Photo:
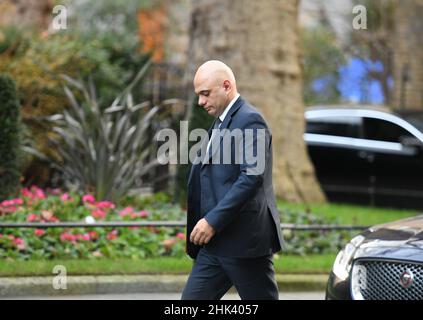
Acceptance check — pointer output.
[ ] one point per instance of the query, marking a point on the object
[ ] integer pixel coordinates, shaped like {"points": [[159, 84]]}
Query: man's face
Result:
{"points": [[212, 95]]}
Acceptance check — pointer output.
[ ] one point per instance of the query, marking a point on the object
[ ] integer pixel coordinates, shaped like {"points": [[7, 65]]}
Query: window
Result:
{"points": [[382, 130], [335, 126]]}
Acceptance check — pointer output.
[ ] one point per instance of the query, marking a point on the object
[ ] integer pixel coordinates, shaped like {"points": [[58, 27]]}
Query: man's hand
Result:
{"points": [[202, 233]]}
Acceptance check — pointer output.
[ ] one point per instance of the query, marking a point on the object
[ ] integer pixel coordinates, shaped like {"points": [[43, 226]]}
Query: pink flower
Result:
{"points": [[93, 235], [143, 214], [129, 211], [33, 193], [26, 193], [39, 232], [112, 235], [88, 198], [31, 217], [17, 201], [126, 211], [11, 237], [63, 237], [1, 235], [181, 236], [5, 203], [12, 202], [98, 214], [84, 237], [105, 205], [8, 209], [67, 237], [38, 192], [65, 197], [19, 243]]}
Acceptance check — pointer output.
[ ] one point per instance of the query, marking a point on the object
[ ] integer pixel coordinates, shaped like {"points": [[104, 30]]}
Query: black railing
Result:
{"points": [[170, 224]]}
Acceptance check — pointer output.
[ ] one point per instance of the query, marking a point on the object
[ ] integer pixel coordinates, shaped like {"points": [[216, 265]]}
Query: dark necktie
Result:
{"points": [[216, 125]]}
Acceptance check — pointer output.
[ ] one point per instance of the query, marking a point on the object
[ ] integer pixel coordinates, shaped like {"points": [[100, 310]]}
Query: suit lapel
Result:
{"points": [[199, 152], [225, 124]]}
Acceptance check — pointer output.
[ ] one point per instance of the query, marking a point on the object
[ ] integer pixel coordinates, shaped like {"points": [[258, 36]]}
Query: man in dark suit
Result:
{"points": [[233, 226]]}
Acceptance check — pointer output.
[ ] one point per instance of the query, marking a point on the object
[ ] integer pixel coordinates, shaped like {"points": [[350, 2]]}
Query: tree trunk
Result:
{"points": [[27, 13], [259, 41], [408, 55]]}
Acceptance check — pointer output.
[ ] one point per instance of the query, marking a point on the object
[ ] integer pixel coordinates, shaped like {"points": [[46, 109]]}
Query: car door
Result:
{"points": [[398, 164], [343, 172]]}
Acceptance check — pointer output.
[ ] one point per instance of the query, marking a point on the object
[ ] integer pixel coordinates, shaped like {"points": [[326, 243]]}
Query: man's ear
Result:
{"points": [[226, 84]]}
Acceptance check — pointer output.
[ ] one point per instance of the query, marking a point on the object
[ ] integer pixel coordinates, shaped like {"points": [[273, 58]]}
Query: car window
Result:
{"points": [[415, 118], [335, 126], [382, 130]]}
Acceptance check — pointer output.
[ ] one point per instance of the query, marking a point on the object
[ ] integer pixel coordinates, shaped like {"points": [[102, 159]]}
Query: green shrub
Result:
{"points": [[37, 205], [35, 63], [9, 137], [104, 150], [312, 242]]}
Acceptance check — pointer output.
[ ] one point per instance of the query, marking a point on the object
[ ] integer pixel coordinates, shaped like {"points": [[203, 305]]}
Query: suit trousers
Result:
{"points": [[212, 276]]}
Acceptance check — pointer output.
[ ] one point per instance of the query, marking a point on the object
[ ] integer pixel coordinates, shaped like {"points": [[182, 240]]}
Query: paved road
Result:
{"points": [[173, 296]]}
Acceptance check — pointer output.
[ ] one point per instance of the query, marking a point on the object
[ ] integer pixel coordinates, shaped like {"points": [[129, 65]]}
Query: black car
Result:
{"points": [[384, 262], [367, 155]]}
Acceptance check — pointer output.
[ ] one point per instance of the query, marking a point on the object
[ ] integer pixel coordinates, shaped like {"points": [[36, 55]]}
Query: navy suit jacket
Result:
{"points": [[240, 206]]}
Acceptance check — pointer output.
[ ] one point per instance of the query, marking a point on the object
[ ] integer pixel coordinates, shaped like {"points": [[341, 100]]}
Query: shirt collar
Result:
{"points": [[225, 112]]}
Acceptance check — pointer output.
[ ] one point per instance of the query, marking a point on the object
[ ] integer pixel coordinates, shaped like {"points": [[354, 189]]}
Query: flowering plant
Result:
{"points": [[54, 205]]}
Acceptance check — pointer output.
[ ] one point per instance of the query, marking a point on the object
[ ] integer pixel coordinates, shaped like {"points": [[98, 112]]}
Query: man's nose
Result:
{"points": [[201, 101]]}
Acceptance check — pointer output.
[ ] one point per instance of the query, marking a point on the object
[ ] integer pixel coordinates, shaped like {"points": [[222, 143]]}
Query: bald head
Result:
{"points": [[215, 84], [217, 71]]}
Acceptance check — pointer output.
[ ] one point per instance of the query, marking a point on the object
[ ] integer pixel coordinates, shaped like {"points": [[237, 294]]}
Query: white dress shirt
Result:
{"points": [[222, 117]]}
